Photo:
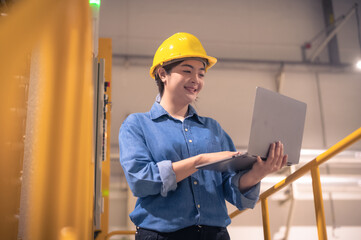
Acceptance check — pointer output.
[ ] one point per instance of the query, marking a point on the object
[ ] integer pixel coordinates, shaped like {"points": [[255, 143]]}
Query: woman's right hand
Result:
{"points": [[187, 167], [213, 157]]}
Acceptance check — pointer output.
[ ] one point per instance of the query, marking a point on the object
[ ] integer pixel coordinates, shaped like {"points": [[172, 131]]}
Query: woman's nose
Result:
{"points": [[195, 78]]}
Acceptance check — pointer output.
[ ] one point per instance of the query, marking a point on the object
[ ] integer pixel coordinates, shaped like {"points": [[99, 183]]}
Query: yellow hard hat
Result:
{"points": [[178, 46]]}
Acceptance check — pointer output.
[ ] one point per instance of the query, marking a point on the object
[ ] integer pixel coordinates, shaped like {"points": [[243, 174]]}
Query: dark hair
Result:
{"points": [[168, 68]]}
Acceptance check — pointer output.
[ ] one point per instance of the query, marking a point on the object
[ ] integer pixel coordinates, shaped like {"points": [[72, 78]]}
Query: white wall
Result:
{"points": [[228, 97]]}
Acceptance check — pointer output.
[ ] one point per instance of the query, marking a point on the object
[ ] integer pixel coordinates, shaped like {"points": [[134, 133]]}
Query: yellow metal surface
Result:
{"points": [[335, 149], [105, 52], [265, 219], [318, 200], [61, 195], [339, 147], [13, 108], [109, 235], [67, 233], [14, 81]]}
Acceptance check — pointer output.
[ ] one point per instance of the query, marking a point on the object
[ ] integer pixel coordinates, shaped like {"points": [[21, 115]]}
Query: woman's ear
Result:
{"points": [[162, 74]]}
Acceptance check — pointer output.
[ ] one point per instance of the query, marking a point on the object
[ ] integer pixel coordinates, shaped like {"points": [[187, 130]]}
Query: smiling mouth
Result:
{"points": [[190, 89]]}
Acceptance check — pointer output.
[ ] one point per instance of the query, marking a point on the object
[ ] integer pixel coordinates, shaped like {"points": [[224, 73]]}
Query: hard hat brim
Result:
{"points": [[211, 61]]}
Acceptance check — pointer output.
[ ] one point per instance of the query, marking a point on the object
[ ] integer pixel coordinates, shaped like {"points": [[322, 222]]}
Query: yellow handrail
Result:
{"points": [[317, 191], [265, 218], [318, 200]]}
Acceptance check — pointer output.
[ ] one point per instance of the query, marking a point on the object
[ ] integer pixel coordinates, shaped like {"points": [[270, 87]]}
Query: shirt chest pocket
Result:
{"points": [[209, 143], [167, 145]]}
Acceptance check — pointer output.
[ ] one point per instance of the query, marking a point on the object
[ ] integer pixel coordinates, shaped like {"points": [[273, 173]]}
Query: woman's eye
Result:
{"points": [[186, 71], [201, 75]]}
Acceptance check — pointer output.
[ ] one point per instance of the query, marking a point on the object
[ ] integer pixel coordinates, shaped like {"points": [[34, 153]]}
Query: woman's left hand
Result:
{"points": [[275, 161]]}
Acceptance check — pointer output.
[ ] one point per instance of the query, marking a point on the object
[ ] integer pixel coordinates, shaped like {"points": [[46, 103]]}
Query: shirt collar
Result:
{"points": [[158, 111], [193, 113]]}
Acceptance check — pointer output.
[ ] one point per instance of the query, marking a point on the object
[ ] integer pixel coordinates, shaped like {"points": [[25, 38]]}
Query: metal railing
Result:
{"points": [[312, 167]]}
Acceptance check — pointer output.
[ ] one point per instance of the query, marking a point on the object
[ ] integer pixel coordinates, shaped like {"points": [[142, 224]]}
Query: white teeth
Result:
{"points": [[191, 89]]}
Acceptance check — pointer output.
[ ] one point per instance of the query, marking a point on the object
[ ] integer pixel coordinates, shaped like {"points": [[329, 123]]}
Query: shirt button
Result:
{"points": [[195, 182], [199, 206], [190, 141], [186, 129]]}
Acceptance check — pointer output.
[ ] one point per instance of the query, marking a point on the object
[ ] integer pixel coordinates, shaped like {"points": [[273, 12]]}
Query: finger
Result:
{"points": [[259, 160], [276, 153], [280, 159], [233, 154], [277, 164], [285, 159], [271, 153]]}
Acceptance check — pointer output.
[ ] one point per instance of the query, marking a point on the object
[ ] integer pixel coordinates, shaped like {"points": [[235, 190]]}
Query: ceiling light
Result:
{"points": [[358, 64]]}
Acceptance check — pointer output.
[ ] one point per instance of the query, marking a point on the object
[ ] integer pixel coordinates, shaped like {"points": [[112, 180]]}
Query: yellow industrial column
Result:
{"points": [[62, 184], [13, 108], [61, 175], [14, 85]]}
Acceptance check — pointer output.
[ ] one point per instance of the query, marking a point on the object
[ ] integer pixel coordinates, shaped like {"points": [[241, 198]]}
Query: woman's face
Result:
{"points": [[184, 82]]}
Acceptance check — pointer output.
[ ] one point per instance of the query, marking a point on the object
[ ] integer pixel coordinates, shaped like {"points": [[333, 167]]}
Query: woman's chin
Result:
{"points": [[192, 97]]}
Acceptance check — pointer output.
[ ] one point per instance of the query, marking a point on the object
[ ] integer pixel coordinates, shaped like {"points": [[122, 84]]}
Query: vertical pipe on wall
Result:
{"points": [[280, 77], [322, 117]]}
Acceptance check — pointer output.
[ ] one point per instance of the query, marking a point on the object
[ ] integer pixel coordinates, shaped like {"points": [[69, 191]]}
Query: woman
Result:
{"points": [[160, 149]]}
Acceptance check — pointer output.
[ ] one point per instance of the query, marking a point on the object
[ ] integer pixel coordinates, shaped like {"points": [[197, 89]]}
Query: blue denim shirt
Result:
{"points": [[149, 143]]}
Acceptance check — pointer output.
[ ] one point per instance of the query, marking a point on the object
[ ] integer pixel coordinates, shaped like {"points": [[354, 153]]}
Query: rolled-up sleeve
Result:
{"points": [[241, 200], [144, 175], [246, 199], [167, 176]]}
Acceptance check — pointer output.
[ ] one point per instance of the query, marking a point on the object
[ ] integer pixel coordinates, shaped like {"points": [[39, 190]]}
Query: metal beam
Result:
{"points": [[333, 53], [146, 60], [332, 34]]}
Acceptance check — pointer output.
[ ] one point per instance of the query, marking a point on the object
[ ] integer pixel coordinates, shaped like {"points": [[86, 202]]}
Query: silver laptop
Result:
{"points": [[275, 118]]}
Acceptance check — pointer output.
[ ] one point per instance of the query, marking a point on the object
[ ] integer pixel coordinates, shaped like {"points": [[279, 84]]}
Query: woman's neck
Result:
{"points": [[178, 111]]}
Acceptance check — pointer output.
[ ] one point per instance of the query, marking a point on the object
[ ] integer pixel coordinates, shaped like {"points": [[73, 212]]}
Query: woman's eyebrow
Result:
{"points": [[188, 65]]}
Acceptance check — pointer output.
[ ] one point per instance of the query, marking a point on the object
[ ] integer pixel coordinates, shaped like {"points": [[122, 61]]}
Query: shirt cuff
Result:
{"points": [[167, 175], [251, 196]]}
